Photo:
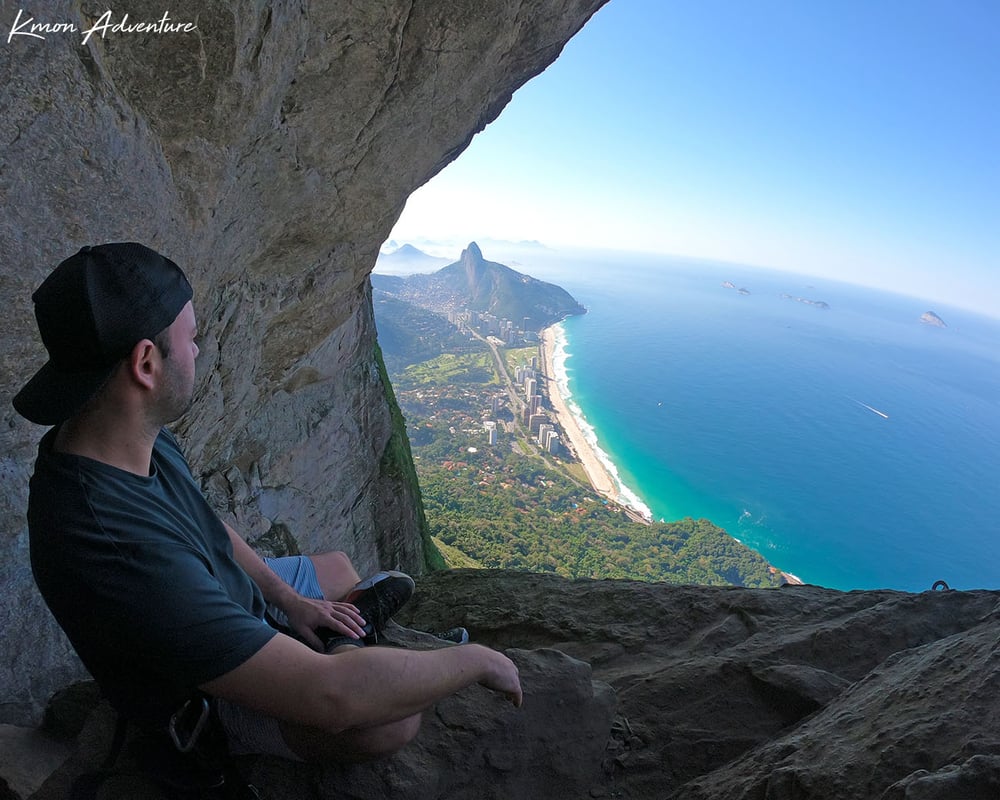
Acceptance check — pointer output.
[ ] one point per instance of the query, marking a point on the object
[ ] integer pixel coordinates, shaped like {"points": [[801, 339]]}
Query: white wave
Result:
{"points": [[560, 355]]}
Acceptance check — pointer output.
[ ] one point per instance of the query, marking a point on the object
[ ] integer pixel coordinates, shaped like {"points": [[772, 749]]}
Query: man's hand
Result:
{"points": [[305, 615], [503, 677], [506, 679]]}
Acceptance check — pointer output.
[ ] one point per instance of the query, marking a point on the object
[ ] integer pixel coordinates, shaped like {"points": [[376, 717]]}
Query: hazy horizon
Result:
{"points": [[852, 142], [553, 264]]}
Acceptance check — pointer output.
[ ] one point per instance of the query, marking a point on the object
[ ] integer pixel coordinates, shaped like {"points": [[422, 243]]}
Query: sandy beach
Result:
{"points": [[599, 477]]}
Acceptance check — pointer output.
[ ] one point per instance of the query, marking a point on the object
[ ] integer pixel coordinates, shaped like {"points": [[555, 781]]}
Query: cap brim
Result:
{"points": [[51, 396]]}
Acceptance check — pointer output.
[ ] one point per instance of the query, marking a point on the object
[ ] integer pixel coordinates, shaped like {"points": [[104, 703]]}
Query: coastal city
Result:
{"points": [[526, 395]]}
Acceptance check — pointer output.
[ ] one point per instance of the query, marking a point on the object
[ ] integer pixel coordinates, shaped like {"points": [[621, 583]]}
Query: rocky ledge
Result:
{"points": [[637, 690]]}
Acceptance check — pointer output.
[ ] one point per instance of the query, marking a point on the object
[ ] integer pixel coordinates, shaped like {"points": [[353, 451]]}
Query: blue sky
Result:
{"points": [[848, 139]]}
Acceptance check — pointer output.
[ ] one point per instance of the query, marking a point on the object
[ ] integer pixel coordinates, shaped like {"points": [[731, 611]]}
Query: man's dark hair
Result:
{"points": [[162, 342]]}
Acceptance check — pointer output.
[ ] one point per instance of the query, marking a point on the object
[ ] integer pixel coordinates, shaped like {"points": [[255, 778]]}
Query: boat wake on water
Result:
{"points": [[873, 410]]}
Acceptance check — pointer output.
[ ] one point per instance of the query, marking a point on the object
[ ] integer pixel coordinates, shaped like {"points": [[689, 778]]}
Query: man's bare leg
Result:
{"points": [[335, 573], [357, 744]]}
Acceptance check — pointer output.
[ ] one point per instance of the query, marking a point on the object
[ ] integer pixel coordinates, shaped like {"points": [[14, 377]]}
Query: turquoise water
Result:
{"points": [[761, 413]]}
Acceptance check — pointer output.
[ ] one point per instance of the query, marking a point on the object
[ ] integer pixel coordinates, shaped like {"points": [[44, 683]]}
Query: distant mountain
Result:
{"points": [[483, 286], [408, 259]]}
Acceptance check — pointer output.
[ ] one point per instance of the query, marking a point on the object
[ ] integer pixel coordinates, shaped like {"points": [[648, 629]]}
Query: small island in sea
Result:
{"points": [[930, 318], [807, 301]]}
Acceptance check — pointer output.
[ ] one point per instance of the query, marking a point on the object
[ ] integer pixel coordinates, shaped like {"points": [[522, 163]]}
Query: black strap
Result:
{"points": [[87, 785], [205, 771]]}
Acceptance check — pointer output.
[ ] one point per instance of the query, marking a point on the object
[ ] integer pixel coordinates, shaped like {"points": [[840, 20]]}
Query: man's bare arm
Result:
{"points": [[360, 687], [304, 614]]}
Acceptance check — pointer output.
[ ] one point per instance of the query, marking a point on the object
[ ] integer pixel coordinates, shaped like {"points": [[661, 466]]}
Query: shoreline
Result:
{"points": [[601, 479]]}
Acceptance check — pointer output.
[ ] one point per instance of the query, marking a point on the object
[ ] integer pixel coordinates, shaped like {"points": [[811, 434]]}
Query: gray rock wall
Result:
{"points": [[269, 153], [771, 694]]}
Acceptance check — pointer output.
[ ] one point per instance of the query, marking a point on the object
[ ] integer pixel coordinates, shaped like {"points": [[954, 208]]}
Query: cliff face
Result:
{"points": [[268, 152], [776, 694]]}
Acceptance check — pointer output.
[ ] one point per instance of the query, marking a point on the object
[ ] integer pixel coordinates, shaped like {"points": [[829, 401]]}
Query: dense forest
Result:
{"points": [[508, 510]]}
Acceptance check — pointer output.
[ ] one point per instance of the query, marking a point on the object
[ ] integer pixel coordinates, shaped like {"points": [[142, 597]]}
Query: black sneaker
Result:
{"points": [[332, 641], [457, 635], [379, 597]]}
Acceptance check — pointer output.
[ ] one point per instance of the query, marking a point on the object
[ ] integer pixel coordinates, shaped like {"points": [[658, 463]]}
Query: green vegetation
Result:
{"points": [[397, 462], [518, 356], [448, 369], [507, 510], [409, 334], [455, 558]]}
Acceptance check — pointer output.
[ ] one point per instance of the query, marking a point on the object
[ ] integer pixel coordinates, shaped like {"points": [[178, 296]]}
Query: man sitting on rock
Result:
{"points": [[161, 599]]}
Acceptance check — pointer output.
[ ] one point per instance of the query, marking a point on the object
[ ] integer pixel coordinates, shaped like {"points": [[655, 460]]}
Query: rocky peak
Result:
{"points": [[472, 256], [475, 268]]}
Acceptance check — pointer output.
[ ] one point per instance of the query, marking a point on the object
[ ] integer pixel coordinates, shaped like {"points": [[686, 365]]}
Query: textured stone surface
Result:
{"points": [[476, 745], [770, 694], [268, 153], [797, 692]]}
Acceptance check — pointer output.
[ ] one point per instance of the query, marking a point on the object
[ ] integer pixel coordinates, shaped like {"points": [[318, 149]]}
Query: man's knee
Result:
{"points": [[333, 559], [387, 739], [335, 573], [357, 744]]}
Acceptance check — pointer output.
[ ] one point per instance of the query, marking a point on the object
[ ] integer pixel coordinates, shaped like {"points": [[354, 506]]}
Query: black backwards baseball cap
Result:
{"points": [[91, 311]]}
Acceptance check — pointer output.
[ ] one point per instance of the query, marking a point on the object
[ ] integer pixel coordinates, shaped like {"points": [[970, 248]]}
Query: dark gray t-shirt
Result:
{"points": [[139, 573]]}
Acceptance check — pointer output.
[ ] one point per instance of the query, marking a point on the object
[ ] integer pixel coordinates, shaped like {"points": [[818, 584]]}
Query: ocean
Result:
{"points": [[853, 446]]}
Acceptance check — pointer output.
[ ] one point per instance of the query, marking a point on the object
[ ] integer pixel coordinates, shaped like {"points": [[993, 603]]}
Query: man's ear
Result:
{"points": [[144, 363]]}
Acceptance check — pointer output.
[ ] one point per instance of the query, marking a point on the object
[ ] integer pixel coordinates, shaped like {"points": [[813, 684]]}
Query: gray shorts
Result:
{"points": [[248, 731], [299, 573]]}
